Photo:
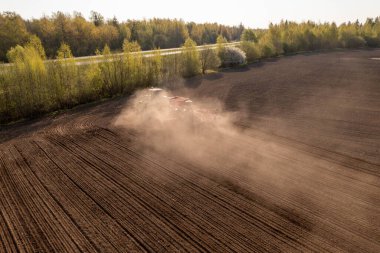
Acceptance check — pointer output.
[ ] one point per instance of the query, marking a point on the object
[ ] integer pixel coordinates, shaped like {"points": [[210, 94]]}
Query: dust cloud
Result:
{"points": [[212, 141], [198, 131], [205, 135]]}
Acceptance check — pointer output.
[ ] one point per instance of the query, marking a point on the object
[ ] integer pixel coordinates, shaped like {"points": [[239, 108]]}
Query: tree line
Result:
{"points": [[31, 86], [291, 37], [86, 36]]}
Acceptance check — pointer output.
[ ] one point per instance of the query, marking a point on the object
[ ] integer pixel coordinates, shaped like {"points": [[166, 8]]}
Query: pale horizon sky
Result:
{"points": [[255, 14]]}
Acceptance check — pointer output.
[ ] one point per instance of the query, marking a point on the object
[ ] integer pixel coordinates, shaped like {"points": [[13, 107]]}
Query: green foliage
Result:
{"points": [[290, 37], [84, 36], [370, 31], [106, 50], [64, 52], [190, 57], [90, 83], [249, 35], [111, 73], [266, 47], [24, 84], [171, 69], [15, 53], [272, 39], [220, 48], [35, 42], [328, 35], [154, 70], [129, 47], [251, 50], [349, 37], [13, 31], [97, 18], [65, 73], [122, 74], [124, 32], [31, 86], [209, 60]]}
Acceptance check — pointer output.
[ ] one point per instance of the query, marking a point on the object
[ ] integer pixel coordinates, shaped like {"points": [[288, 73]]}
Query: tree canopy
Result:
{"points": [[86, 36]]}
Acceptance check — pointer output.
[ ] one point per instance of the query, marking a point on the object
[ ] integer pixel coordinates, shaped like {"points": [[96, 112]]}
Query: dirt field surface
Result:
{"points": [[297, 169]]}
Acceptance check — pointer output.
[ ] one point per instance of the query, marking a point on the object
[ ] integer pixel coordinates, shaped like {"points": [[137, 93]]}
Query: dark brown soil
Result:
{"points": [[76, 183]]}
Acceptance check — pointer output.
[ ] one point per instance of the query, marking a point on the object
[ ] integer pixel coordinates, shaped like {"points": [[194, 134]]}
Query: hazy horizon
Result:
{"points": [[255, 14]]}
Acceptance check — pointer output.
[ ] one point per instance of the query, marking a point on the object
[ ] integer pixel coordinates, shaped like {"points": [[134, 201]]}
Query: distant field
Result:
{"points": [[300, 171]]}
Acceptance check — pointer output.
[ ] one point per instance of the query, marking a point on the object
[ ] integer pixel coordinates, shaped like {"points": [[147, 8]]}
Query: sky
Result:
{"points": [[254, 13]]}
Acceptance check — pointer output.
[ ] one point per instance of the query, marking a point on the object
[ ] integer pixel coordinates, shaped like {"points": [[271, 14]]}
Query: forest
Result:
{"points": [[291, 37], [31, 86], [86, 36]]}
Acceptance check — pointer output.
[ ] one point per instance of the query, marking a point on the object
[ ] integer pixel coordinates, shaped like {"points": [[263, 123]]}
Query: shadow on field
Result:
{"points": [[237, 69], [18, 129], [104, 110], [193, 82], [290, 214], [213, 76]]}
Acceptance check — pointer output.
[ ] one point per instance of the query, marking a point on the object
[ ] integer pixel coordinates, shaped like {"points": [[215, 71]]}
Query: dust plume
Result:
{"points": [[211, 140], [194, 130]]}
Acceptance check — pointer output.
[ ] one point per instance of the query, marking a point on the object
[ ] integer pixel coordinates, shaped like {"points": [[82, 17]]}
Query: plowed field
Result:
{"points": [[301, 172]]}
